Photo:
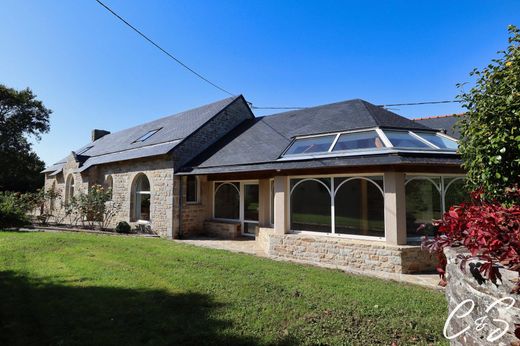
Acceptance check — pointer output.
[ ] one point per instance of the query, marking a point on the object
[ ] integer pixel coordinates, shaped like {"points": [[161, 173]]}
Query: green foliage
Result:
{"points": [[94, 207], [123, 227], [13, 210], [21, 116], [490, 132]]}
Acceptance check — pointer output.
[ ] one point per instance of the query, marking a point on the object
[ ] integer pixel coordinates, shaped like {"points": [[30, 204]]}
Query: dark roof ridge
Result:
{"points": [[440, 116]]}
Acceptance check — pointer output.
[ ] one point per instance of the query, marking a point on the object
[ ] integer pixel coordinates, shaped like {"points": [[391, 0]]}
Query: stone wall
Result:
{"points": [[159, 172], [222, 229], [193, 213], [468, 284], [349, 253]]}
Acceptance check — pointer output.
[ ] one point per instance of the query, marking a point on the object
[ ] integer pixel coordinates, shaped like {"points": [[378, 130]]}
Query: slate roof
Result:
{"points": [[446, 123], [121, 145], [262, 140]]}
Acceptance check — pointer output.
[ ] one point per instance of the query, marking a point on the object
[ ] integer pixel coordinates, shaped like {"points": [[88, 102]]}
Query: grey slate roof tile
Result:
{"points": [[446, 123], [114, 146]]}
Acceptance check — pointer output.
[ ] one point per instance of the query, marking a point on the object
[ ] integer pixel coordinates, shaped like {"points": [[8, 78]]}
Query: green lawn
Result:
{"points": [[68, 288]]}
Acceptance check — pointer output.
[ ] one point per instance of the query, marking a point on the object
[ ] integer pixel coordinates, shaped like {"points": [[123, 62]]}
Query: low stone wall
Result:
{"points": [[222, 229], [468, 284], [354, 254]]}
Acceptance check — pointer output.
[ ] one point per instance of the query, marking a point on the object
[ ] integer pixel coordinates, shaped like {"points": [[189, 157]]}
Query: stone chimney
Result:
{"points": [[97, 134]]}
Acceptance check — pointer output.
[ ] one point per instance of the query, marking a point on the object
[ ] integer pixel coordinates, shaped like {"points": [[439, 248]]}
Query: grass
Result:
{"points": [[68, 288]]}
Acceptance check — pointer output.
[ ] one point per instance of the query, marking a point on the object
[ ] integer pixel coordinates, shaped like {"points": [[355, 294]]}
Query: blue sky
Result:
{"points": [[93, 72]]}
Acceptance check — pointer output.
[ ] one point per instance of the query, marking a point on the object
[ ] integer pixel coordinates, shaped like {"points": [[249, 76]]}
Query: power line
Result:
{"points": [[163, 50], [419, 103], [383, 106]]}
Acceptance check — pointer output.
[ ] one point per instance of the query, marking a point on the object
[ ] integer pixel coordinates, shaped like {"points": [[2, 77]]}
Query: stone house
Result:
{"points": [[346, 184]]}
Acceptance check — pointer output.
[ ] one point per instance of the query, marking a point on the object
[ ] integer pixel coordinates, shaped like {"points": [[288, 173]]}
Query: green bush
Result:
{"points": [[123, 227], [490, 131], [13, 210]]}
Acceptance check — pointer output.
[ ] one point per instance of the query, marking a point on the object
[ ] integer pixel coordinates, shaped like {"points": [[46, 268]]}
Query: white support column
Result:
{"points": [[395, 208], [281, 202]]}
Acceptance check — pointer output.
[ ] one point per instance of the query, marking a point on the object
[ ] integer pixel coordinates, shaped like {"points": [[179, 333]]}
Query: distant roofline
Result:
{"points": [[440, 116]]}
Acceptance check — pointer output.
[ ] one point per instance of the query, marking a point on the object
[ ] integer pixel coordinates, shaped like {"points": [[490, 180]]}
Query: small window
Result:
{"points": [[311, 145], [142, 198], [438, 140], [400, 139], [69, 188], [146, 135], [109, 185], [192, 189], [358, 140]]}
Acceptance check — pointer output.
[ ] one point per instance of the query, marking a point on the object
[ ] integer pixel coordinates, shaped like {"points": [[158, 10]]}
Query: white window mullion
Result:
{"points": [[384, 138], [334, 142], [423, 140], [332, 209]]}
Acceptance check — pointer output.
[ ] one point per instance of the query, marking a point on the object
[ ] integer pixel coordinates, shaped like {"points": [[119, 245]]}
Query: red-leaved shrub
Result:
{"points": [[488, 229]]}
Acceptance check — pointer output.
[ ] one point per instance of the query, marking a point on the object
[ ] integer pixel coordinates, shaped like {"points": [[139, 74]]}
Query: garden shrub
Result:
{"points": [[488, 229], [490, 130], [13, 210], [123, 227]]}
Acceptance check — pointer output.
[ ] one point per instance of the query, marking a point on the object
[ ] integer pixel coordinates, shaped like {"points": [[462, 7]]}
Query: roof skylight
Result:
{"points": [[311, 145], [369, 141], [146, 135]]}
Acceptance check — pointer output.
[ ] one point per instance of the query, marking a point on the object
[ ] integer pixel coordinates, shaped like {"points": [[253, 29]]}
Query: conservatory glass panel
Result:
{"points": [[423, 205], [310, 207], [401, 139], [440, 141], [311, 145], [359, 207], [358, 140]]}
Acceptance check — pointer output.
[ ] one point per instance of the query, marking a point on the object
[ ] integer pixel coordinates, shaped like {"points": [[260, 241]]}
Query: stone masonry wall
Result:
{"points": [[351, 253], [193, 213], [468, 284], [159, 172]]}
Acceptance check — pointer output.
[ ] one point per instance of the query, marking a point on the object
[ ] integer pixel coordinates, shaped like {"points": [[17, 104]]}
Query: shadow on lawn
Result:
{"points": [[33, 312]]}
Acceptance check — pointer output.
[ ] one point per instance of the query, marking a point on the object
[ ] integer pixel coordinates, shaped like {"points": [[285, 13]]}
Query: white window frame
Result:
{"points": [[241, 193], [135, 192], [70, 184], [442, 188], [350, 177]]}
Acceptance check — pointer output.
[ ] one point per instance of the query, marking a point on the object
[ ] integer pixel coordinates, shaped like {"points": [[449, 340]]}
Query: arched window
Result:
{"points": [[455, 192], [359, 206], [423, 204], [142, 197], [227, 201], [69, 188], [311, 205], [109, 185]]}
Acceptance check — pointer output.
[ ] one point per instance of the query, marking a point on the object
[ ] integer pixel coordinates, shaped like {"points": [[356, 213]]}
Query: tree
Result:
{"points": [[21, 116], [490, 132]]}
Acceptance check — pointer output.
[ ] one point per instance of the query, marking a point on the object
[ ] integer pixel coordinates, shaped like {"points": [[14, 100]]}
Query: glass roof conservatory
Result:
{"points": [[371, 141]]}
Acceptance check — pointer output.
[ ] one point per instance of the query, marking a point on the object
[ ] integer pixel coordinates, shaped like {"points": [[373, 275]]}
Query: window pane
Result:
{"points": [[227, 201], [310, 207], [311, 145], [147, 135], [191, 189], [456, 192], [440, 141], [359, 207], [251, 202], [423, 204], [404, 140], [143, 185], [358, 140], [145, 207]]}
